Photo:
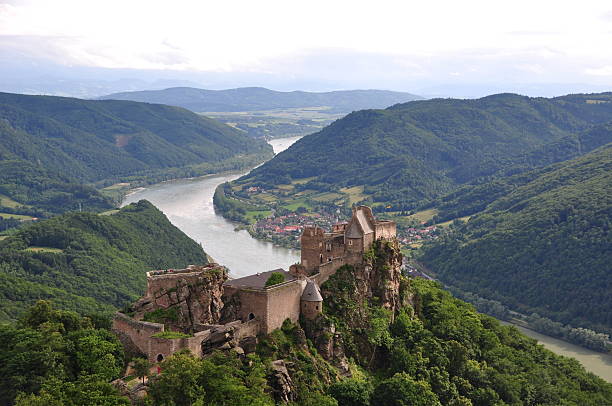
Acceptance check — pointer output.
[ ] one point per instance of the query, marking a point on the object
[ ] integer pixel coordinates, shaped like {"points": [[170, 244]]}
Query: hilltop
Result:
{"points": [[259, 98], [87, 262], [538, 242], [51, 146], [410, 154]]}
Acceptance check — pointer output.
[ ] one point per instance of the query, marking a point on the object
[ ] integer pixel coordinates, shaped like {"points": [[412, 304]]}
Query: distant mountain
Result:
{"points": [[73, 141], [90, 263], [258, 98], [412, 153], [541, 242]]}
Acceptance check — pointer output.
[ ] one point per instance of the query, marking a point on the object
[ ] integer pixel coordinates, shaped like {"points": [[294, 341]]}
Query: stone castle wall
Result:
{"points": [[135, 333], [328, 269], [386, 230], [283, 303]]}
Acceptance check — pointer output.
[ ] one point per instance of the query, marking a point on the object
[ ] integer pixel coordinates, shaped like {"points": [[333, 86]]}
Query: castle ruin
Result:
{"points": [[213, 311]]}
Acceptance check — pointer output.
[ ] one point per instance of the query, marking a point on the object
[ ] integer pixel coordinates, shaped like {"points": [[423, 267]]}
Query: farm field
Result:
{"points": [[277, 123]]}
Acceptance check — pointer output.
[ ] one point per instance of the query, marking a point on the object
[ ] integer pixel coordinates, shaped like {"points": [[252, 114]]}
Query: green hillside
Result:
{"points": [[541, 244], [95, 140], [87, 262], [51, 146], [412, 153], [259, 98], [433, 350]]}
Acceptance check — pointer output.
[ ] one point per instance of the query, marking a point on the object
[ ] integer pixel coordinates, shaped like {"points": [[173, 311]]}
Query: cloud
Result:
{"points": [[601, 71], [607, 16]]}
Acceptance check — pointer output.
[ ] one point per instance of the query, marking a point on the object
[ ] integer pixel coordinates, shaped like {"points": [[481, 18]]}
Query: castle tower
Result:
{"points": [[311, 303], [312, 248]]}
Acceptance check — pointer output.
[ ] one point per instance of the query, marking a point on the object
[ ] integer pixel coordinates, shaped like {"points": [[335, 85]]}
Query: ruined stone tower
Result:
{"points": [[311, 303]]}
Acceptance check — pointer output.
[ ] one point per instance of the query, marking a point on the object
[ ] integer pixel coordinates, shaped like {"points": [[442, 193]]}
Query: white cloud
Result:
{"points": [[601, 71], [475, 39]]}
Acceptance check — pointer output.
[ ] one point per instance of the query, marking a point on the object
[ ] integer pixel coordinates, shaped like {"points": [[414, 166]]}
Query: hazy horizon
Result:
{"points": [[89, 49]]}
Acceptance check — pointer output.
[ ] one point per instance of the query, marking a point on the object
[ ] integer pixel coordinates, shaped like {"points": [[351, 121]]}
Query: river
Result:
{"points": [[188, 205]]}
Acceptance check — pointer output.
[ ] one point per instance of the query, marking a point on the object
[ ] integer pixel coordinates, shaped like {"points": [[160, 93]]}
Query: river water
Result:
{"points": [[188, 204]]}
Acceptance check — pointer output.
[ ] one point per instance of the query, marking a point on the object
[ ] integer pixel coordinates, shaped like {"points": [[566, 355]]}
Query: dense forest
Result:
{"points": [[88, 262], [259, 98], [540, 244], [51, 146], [433, 350], [410, 154]]}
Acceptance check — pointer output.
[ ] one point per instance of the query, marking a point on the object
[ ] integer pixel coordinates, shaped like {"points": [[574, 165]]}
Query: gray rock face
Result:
{"points": [[282, 385]]}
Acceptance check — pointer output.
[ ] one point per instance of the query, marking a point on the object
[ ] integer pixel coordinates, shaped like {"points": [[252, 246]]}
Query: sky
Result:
{"points": [[318, 45]]}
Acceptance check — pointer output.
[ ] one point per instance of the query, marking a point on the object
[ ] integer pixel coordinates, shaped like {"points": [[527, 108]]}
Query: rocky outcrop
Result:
{"points": [[327, 340], [381, 274], [355, 294], [281, 383], [184, 299]]}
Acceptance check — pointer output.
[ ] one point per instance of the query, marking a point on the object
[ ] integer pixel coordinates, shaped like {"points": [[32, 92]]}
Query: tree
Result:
{"points": [[141, 368], [402, 390], [351, 392], [275, 278]]}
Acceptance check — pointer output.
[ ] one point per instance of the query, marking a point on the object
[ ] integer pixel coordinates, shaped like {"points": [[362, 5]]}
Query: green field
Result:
{"points": [[279, 122], [8, 202], [44, 249], [15, 216]]}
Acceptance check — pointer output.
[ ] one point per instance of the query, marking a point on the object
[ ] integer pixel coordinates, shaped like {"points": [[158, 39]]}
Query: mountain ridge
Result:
{"points": [[260, 98]]}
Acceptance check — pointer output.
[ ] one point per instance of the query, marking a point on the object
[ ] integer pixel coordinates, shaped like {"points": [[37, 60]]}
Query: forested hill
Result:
{"points": [[542, 243], [93, 140], [417, 151], [259, 98], [51, 146], [88, 262]]}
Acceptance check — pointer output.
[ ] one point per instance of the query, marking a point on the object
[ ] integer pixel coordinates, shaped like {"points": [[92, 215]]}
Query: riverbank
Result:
{"points": [[188, 205], [596, 362], [118, 191]]}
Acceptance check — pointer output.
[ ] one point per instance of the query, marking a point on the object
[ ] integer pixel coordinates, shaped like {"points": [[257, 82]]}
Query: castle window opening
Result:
{"points": [[321, 258], [160, 357], [350, 242], [328, 247], [251, 316]]}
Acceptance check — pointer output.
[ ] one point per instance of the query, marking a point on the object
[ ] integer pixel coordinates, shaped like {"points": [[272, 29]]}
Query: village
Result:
{"points": [[285, 229]]}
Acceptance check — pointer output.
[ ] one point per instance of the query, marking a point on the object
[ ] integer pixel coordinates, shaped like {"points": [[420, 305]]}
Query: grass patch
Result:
{"points": [[448, 223], [302, 181], [109, 212], [299, 203], [424, 215], [327, 197], [8, 202], [250, 215], [266, 197], [117, 186], [355, 193], [44, 249], [169, 335], [286, 187], [15, 216], [3, 237]]}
